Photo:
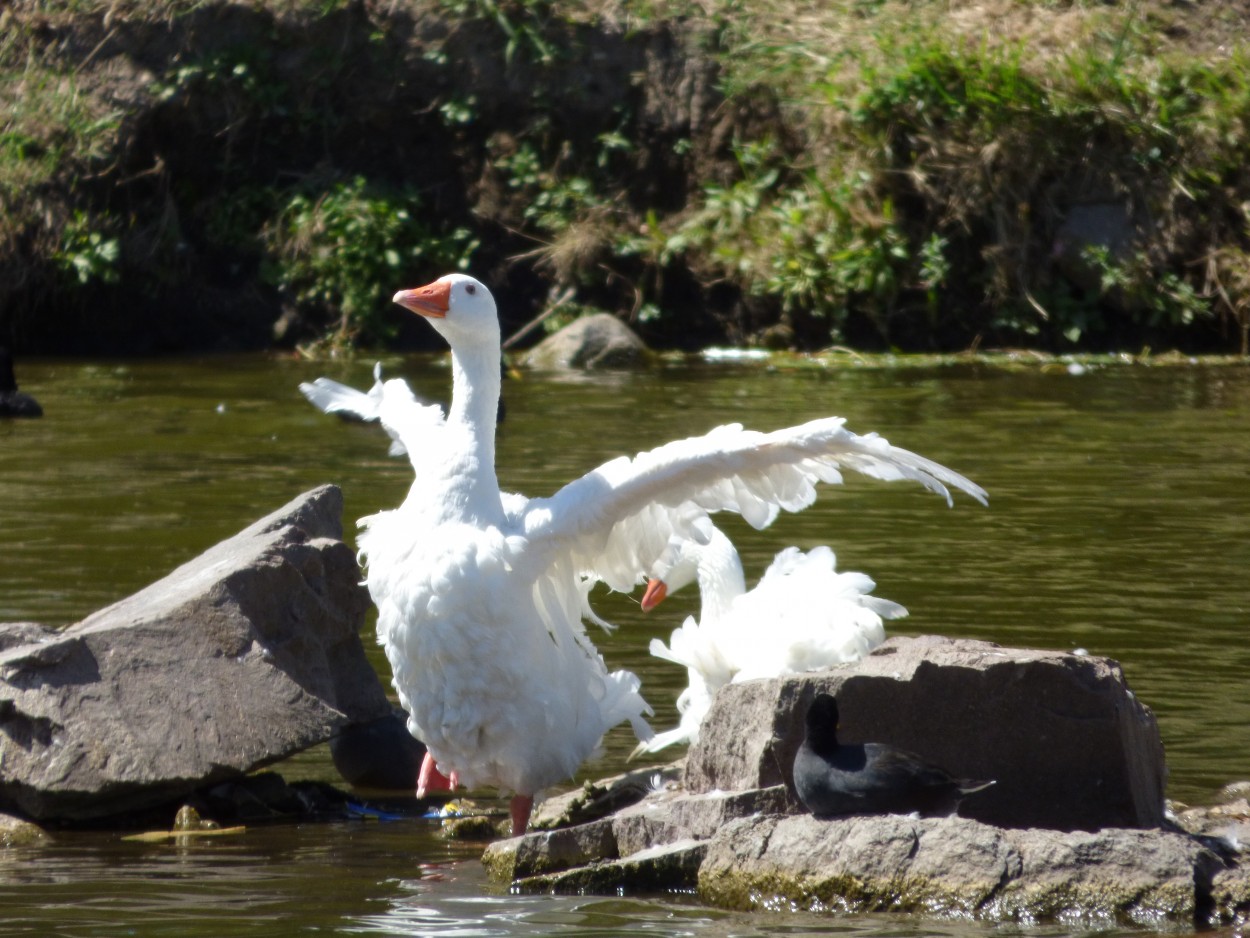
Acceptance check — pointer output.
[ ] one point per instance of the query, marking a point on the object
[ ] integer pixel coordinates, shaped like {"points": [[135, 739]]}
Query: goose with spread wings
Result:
{"points": [[481, 595]]}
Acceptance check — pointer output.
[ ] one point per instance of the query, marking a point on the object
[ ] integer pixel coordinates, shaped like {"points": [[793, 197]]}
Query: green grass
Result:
{"points": [[880, 172], [925, 146]]}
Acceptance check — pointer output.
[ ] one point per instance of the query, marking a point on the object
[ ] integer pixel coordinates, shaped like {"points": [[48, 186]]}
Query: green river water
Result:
{"points": [[1117, 523]]}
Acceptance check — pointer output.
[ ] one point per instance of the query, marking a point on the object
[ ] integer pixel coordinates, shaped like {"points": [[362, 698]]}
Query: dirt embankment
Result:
{"points": [[226, 175], [204, 125]]}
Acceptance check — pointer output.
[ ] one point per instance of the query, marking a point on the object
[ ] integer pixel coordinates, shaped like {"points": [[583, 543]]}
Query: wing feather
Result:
{"points": [[391, 403], [613, 522]]}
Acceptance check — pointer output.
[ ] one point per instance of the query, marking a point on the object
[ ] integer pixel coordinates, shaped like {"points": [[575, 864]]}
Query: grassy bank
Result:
{"points": [[875, 173]]}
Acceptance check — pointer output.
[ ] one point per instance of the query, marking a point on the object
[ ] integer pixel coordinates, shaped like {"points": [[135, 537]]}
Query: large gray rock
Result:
{"points": [[1068, 743], [957, 867], [599, 340], [237, 659]]}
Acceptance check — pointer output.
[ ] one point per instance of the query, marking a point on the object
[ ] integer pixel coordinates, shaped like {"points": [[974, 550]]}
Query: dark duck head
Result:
{"points": [[833, 778]]}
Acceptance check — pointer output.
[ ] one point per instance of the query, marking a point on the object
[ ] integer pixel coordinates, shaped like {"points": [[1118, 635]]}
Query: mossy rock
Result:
{"points": [[15, 832]]}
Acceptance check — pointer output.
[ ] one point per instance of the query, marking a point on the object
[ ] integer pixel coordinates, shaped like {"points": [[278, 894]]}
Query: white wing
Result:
{"points": [[331, 397], [614, 522], [391, 403]]}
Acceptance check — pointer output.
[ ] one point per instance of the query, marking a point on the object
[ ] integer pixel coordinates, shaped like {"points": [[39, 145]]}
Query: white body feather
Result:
{"points": [[802, 616]]}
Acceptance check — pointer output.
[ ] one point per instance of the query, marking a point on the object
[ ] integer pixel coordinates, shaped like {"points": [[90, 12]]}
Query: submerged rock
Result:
{"points": [[243, 656], [15, 832]]}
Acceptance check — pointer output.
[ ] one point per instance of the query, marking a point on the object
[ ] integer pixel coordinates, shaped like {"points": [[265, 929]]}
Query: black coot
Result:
{"points": [[868, 778]]}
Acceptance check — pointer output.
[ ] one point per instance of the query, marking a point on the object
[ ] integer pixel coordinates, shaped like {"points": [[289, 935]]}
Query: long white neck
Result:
{"points": [[720, 575], [475, 386]]}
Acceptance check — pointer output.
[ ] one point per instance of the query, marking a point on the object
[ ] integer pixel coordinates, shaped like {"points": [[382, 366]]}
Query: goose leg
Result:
{"points": [[431, 778], [520, 808]]}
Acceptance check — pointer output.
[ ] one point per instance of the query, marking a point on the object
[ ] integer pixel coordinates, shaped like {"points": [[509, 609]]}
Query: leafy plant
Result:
{"points": [[553, 200], [459, 111], [88, 254], [341, 252], [935, 267], [811, 245], [1164, 298], [522, 22], [242, 71]]}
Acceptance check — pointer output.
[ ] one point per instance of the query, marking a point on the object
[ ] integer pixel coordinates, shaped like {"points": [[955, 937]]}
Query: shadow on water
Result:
{"points": [[1116, 524]]}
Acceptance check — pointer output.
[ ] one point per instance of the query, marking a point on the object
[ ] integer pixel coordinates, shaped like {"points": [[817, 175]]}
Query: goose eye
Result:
{"points": [[470, 289]]}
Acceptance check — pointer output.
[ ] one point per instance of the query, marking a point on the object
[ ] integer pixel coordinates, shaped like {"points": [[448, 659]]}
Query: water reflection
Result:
{"points": [[1116, 524]]}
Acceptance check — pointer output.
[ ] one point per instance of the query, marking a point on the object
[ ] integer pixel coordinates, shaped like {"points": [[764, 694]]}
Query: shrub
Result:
{"points": [[88, 254], [340, 253]]}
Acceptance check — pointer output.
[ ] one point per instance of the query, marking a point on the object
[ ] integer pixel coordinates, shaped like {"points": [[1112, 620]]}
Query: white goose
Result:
{"points": [[802, 616], [480, 595]]}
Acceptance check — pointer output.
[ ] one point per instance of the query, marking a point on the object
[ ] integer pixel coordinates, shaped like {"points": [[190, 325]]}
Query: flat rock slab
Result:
{"points": [[239, 658], [607, 796], [957, 867], [662, 818], [1069, 745], [542, 853], [663, 868], [677, 816]]}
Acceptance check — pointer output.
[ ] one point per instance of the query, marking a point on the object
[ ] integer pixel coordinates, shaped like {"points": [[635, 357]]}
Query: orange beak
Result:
{"points": [[431, 300], [654, 594]]}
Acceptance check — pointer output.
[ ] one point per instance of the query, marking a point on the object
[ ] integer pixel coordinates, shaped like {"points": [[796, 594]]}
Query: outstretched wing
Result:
{"points": [[332, 397], [613, 522], [391, 403]]}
